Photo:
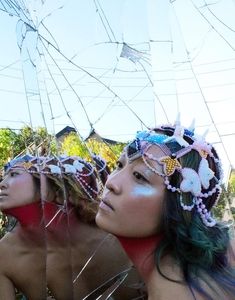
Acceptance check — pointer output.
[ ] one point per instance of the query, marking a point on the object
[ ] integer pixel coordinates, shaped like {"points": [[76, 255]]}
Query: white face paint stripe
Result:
{"points": [[144, 191]]}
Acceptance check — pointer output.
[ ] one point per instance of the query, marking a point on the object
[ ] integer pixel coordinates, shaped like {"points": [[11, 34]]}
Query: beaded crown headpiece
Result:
{"points": [[80, 175], [72, 170], [101, 167], [28, 162], [175, 142]]}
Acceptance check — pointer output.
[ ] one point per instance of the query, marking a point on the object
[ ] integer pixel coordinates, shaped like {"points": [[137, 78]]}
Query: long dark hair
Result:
{"points": [[199, 250]]}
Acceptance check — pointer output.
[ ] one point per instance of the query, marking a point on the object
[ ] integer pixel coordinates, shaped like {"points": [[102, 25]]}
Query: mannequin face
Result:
{"points": [[132, 198], [18, 188]]}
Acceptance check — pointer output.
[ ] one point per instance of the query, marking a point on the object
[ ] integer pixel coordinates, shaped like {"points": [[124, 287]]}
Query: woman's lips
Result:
{"points": [[3, 195], [105, 205]]}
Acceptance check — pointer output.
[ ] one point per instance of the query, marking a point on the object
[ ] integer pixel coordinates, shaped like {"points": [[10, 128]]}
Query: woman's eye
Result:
{"points": [[13, 174], [139, 176], [119, 165]]}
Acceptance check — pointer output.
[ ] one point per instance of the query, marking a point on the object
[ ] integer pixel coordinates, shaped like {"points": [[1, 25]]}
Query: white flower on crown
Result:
{"points": [[55, 169], [69, 169], [178, 136], [78, 165], [191, 182], [202, 147], [205, 173]]}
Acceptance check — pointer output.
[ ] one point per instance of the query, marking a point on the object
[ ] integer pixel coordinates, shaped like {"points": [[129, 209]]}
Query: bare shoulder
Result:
{"points": [[8, 254], [160, 288], [7, 290], [6, 244]]}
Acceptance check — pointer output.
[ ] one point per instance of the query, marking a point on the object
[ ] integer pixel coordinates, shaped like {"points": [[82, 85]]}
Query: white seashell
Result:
{"points": [[54, 169], [78, 165], [191, 182], [69, 169], [205, 173], [192, 126]]}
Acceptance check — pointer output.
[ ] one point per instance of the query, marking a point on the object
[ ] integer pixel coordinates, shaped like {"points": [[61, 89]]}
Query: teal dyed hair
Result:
{"points": [[199, 250]]}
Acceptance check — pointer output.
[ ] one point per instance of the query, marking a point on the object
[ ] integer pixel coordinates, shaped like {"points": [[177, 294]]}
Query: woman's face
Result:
{"points": [[18, 188], [132, 199]]}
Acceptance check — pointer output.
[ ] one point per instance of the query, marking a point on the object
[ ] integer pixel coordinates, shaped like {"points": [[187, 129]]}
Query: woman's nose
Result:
{"points": [[113, 183], [3, 184]]}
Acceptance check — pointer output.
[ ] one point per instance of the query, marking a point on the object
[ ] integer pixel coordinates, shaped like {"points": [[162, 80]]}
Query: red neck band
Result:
{"points": [[141, 252], [28, 215], [57, 215]]}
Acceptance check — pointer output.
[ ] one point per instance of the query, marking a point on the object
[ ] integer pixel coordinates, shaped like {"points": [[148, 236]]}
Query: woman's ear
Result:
{"points": [[59, 195], [47, 189], [70, 196]]}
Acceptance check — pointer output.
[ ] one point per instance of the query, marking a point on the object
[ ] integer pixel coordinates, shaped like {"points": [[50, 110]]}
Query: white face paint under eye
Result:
{"points": [[144, 191]]}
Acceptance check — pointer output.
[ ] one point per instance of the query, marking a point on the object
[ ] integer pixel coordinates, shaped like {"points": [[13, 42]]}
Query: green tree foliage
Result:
{"points": [[231, 187], [108, 152], [226, 199], [3, 222], [72, 145], [232, 182], [13, 144], [8, 145], [219, 209], [34, 139]]}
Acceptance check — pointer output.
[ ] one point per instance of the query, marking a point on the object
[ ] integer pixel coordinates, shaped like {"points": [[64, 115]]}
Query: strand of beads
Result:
{"points": [[170, 187], [86, 187], [154, 170], [101, 161], [88, 166], [186, 207], [211, 192], [204, 213]]}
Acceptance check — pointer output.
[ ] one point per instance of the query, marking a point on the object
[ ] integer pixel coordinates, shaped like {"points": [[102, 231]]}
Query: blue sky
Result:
{"points": [[185, 63]]}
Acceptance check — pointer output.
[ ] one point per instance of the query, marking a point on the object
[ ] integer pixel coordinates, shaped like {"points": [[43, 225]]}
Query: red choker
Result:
{"points": [[141, 252], [54, 214], [28, 215], [57, 215], [36, 213]]}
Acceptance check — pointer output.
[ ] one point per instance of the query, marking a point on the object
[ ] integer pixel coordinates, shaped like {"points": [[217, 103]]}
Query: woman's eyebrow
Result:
{"points": [[145, 170], [16, 168]]}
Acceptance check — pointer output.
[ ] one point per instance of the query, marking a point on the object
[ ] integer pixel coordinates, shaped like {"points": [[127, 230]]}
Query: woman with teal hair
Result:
{"points": [[158, 202]]}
